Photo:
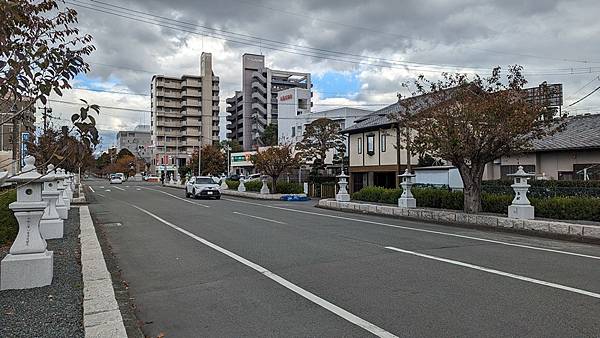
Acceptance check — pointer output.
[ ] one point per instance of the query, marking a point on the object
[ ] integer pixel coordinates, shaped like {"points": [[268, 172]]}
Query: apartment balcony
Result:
{"points": [[259, 119], [190, 92], [230, 135], [169, 94], [231, 100], [231, 117], [257, 128], [260, 108], [190, 143], [259, 76], [191, 123], [168, 104], [191, 103], [259, 86], [191, 112], [215, 88], [163, 113], [191, 83], [170, 133], [170, 84], [216, 108], [259, 97], [190, 133], [215, 98], [171, 124]]}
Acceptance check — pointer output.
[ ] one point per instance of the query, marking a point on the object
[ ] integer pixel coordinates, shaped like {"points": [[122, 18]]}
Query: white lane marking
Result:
{"points": [[107, 190], [119, 188], [425, 230], [138, 189], [101, 187], [258, 217], [179, 198], [99, 194], [91, 189], [280, 280], [500, 273]]}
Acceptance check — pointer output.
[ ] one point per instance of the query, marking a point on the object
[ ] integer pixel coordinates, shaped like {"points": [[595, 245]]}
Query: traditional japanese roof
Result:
{"points": [[579, 132]]}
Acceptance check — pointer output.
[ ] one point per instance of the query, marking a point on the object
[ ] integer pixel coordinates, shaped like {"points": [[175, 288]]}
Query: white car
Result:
{"points": [[202, 186], [115, 179]]}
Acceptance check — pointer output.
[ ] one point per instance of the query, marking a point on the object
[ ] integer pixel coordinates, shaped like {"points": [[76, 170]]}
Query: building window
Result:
{"points": [[359, 144], [293, 131], [299, 130], [382, 146], [371, 144]]}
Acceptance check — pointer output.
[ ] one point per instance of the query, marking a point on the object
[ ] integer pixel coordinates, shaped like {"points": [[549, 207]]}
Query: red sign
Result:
{"points": [[286, 97]]}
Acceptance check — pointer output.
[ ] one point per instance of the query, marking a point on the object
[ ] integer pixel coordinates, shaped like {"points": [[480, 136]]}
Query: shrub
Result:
{"points": [[8, 223], [253, 185], [289, 188], [231, 184], [568, 208]]}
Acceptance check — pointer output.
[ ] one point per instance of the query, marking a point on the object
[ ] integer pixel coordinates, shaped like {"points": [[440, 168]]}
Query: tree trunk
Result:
{"points": [[274, 184], [472, 188]]}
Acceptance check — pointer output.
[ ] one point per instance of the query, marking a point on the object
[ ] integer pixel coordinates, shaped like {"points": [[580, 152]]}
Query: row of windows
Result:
{"points": [[371, 144]]}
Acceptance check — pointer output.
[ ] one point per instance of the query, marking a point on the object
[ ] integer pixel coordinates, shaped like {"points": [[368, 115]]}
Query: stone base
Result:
{"points": [[407, 202], [51, 228], [521, 211], [63, 212], [26, 271], [342, 197]]}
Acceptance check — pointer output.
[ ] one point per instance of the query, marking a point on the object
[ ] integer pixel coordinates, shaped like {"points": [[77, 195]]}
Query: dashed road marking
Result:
{"points": [[570, 253], [350, 317], [258, 217], [498, 272], [119, 188], [91, 189]]}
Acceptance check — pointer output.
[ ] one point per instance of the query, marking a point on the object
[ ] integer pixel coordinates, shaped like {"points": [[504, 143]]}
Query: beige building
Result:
{"points": [[185, 115], [570, 154]]}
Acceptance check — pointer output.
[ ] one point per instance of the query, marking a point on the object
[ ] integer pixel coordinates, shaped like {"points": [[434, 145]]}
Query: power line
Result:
{"points": [[587, 84], [315, 52], [583, 98]]}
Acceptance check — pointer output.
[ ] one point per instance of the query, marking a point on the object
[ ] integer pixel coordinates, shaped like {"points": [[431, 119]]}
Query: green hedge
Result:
{"points": [[570, 208], [256, 185], [8, 223]]}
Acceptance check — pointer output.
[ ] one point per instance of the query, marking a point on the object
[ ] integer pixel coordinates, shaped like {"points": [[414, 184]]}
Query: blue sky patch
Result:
{"points": [[336, 84]]}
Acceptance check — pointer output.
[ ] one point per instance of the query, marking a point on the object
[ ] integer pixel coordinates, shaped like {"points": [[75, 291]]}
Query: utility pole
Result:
{"points": [[47, 113], [15, 141]]}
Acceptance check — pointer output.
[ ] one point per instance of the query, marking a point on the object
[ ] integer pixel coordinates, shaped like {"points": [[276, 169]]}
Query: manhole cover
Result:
{"points": [[116, 224]]}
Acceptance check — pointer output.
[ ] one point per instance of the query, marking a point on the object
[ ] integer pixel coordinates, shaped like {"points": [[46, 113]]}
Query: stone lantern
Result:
{"points": [[65, 192], [51, 225], [242, 187], [28, 264], [407, 200], [224, 185], [265, 188], [342, 195], [521, 208], [70, 188], [61, 206]]}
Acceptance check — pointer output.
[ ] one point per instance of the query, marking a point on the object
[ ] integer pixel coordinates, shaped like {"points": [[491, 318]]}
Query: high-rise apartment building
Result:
{"points": [[253, 108], [138, 141], [185, 116]]}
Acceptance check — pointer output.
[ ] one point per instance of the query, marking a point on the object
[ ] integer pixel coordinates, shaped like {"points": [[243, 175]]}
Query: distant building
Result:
{"points": [[137, 141], [256, 105], [185, 116], [14, 132]]}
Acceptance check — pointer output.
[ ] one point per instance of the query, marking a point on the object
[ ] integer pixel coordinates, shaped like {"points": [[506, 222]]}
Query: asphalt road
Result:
{"points": [[239, 267]]}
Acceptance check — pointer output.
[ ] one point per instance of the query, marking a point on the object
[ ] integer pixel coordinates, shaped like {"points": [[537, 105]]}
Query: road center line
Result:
{"points": [[422, 230], [179, 198], [91, 189], [120, 188], [498, 272], [280, 280], [258, 217], [101, 195]]}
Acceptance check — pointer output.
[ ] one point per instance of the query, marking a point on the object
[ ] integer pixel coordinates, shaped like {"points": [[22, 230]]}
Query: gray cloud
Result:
{"points": [[467, 33]]}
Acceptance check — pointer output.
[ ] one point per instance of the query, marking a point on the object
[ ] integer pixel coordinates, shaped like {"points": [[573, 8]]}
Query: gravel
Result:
{"points": [[55, 310]]}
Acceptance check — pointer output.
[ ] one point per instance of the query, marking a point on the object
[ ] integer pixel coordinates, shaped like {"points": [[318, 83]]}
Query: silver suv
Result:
{"points": [[202, 186]]}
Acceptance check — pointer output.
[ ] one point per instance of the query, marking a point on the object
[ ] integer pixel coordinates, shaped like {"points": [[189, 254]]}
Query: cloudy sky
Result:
{"points": [[359, 52]]}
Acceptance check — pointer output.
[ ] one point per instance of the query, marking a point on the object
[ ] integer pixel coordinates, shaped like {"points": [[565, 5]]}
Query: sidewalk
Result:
{"points": [[547, 227]]}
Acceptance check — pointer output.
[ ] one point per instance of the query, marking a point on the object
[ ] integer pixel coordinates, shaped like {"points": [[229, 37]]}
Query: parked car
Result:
{"points": [[115, 179], [202, 186], [254, 177], [234, 177]]}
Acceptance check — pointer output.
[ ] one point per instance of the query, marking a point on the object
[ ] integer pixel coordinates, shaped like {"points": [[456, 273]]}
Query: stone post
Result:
{"points": [[242, 187], [342, 195], [28, 264], [521, 208], [51, 225], [407, 200], [265, 188], [61, 206], [224, 185]]}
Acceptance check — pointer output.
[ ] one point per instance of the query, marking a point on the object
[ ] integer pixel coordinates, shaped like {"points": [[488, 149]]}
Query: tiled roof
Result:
{"points": [[580, 132]]}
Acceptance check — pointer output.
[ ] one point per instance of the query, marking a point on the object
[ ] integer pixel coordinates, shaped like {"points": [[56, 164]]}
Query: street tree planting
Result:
{"points": [[275, 161], [321, 136]]}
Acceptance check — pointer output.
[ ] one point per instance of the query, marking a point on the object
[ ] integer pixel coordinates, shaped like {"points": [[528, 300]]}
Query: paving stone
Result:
{"points": [[105, 330], [591, 231], [491, 221], [446, 216], [558, 228], [575, 229], [112, 316], [535, 225], [414, 213]]}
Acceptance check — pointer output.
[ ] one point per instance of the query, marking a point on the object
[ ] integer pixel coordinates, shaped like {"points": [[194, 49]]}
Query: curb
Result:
{"points": [[540, 227], [101, 314]]}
